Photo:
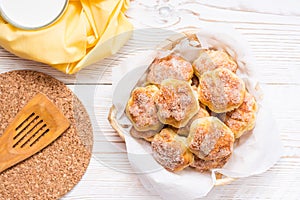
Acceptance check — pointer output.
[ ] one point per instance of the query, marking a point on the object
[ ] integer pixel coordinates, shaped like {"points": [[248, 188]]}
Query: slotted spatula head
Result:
{"points": [[37, 125]]}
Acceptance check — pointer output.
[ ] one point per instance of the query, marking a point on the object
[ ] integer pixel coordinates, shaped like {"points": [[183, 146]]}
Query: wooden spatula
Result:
{"points": [[37, 125]]}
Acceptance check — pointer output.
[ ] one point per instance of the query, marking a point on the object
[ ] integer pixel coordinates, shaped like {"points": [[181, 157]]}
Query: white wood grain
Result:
{"points": [[280, 182], [273, 36]]}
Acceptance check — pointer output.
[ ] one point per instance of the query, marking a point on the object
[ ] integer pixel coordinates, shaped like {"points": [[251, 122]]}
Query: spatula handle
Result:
{"points": [[3, 162], [3, 167], [7, 159], [3, 153]]}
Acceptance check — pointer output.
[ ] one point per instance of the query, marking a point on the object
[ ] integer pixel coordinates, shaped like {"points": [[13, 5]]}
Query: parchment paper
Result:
{"points": [[254, 153]]}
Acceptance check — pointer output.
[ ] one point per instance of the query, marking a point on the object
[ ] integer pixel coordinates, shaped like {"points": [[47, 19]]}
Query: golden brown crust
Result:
{"points": [[176, 102], [171, 151], [206, 165], [243, 118], [210, 139], [221, 90], [141, 109], [172, 66], [209, 60]]}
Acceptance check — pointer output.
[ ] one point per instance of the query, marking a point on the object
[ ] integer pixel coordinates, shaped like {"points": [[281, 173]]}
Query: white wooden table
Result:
{"points": [[273, 33]]}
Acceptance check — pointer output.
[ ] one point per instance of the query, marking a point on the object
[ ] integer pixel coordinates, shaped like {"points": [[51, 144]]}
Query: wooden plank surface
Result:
{"points": [[273, 36]]}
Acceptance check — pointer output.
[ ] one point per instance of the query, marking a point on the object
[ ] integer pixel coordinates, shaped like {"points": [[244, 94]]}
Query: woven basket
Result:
{"points": [[169, 44]]}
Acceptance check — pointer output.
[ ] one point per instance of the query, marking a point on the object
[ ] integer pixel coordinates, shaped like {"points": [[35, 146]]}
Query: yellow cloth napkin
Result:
{"points": [[89, 30]]}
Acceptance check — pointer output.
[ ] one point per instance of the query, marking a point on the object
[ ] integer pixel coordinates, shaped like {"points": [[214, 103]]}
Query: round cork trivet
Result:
{"points": [[55, 170]]}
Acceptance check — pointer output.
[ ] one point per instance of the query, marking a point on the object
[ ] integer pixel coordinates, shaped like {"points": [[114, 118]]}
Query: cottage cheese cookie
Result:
{"points": [[210, 139], [172, 66], [171, 151], [209, 60], [243, 118], [141, 109], [221, 90], [184, 131], [146, 135], [176, 102], [206, 165]]}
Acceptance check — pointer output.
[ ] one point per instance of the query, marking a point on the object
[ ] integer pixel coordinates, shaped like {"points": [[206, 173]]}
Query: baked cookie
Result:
{"points": [[177, 103], [184, 131], [141, 109], [172, 66], [206, 165], [171, 151], [146, 135], [210, 139], [243, 118], [209, 60], [221, 90]]}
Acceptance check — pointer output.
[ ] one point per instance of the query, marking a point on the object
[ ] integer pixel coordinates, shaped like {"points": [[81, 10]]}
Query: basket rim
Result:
{"points": [[168, 44]]}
